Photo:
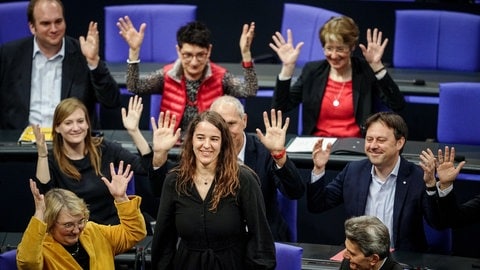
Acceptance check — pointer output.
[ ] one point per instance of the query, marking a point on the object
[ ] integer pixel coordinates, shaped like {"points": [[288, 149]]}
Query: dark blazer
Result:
{"points": [[287, 179], [449, 214], [351, 186], [310, 88], [77, 81], [390, 264]]}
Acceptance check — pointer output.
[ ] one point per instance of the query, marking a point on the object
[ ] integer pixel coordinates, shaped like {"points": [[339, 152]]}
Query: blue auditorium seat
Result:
{"points": [[13, 21], [436, 39], [288, 209], [288, 257], [8, 260]]}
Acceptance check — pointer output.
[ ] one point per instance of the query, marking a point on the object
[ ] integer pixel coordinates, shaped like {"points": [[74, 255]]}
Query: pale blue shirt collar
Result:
{"points": [[241, 155], [393, 173], [36, 49], [381, 198]]}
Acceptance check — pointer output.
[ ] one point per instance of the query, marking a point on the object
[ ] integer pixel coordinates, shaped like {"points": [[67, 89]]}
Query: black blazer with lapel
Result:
{"points": [[309, 89], [287, 179]]}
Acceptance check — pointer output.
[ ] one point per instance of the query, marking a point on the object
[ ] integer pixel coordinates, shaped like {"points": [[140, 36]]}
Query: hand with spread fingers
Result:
{"points": [[320, 156], [164, 136], [90, 45], [130, 34], [120, 178], [446, 170], [285, 49], [275, 134], [375, 48]]}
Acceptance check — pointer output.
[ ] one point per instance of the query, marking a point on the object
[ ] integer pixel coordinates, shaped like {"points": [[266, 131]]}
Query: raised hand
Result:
{"points": [[119, 183], [446, 170], [275, 132], [90, 45], [428, 164], [286, 51], [131, 118], [320, 156], [40, 141], [373, 52], [39, 200], [128, 32], [246, 39], [164, 135]]}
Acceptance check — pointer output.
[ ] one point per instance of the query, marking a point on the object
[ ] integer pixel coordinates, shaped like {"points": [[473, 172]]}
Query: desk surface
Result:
{"points": [[471, 153], [267, 74]]}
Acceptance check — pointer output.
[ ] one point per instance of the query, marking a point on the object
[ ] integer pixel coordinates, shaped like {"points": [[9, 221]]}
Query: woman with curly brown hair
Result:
{"points": [[213, 204]]}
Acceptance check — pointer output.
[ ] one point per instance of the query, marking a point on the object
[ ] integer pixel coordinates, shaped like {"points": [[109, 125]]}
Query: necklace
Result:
{"points": [[203, 180], [75, 253], [336, 102]]}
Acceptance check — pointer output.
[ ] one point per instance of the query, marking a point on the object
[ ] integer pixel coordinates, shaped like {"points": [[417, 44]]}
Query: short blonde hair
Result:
{"points": [[57, 199]]}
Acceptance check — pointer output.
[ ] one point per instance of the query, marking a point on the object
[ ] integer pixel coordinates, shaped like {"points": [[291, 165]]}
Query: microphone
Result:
{"points": [[414, 81]]}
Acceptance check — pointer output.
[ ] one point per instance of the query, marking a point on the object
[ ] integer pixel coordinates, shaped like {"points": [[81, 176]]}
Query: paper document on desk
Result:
{"points": [[28, 137], [305, 144]]}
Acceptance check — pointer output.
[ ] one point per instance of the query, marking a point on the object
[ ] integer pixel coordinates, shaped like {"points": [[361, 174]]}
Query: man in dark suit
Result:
{"points": [[37, 72], [385, 185], [266, 155], [367, 245]]}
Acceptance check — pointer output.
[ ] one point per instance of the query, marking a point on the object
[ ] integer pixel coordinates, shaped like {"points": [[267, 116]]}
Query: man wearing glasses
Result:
{"points": [[190, 84]]}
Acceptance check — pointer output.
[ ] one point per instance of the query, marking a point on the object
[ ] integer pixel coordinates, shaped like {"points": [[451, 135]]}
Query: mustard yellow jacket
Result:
{"points": [[38, 250]]}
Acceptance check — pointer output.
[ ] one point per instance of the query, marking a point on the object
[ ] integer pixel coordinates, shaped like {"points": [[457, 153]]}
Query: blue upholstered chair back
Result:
{"points": [[459, 113], [436, 39], [305, 23], [155, 101], [8, 260], [13, 21], [288, 209], [458, 117], [439, 241], [163, 21], [288, 257]]}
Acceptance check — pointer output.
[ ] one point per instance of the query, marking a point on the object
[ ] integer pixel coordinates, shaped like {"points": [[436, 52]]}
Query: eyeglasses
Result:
{"points": [[69, 226], [199, 56], [339, 50]]}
